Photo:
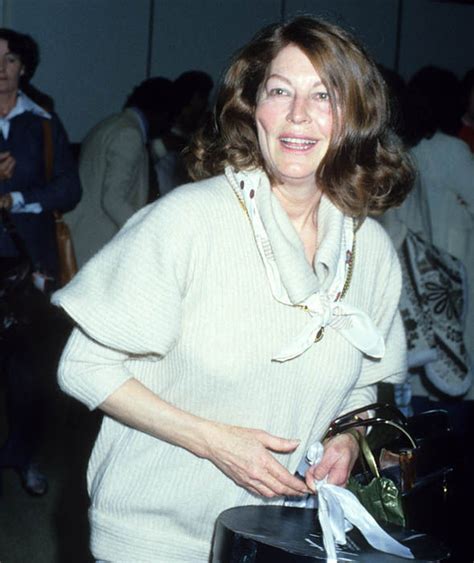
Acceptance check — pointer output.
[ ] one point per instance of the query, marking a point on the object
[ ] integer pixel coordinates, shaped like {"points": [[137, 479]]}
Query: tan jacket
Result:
{"points": [[113, 168]]}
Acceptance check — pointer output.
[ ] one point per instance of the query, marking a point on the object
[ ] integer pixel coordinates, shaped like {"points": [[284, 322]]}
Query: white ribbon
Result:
{"points": [[352, 323], [338, 506], [324, 307]]}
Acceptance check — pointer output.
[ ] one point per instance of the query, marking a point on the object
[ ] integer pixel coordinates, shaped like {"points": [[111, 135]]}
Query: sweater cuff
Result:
{"points": [[90, 372]]}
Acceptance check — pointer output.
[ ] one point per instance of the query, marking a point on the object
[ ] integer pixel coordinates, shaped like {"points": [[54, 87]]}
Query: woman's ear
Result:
{"points": [[22, 71]]}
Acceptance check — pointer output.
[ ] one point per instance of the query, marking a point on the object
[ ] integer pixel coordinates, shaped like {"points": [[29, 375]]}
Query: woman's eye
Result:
{"points": [[11, 59], [278, 92], [322, 96]]}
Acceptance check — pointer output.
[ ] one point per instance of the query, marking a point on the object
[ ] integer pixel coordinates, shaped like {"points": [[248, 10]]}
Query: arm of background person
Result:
{"points": [[125, 157], [63, 192], [459, 172]]}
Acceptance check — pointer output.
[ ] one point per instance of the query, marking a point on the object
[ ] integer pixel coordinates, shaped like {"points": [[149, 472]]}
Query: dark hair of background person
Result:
{"points": [[365, 169], [26, 48], [151, 94], [396, 89], [467, 88], [432, 102], [156, 98], [190, 83]]}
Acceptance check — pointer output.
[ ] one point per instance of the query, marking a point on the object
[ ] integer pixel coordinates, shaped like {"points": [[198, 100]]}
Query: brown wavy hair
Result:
{"points": [[365, 170]]}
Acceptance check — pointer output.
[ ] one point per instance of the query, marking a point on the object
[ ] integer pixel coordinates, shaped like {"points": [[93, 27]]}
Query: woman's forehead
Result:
{"points": [[290, 61]]}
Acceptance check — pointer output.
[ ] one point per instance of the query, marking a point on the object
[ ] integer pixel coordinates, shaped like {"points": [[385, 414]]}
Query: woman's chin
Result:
{"points": [[296, 176]]}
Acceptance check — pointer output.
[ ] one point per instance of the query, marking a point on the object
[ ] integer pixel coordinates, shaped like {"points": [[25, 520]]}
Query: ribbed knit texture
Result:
{"points": [[180, 300]]}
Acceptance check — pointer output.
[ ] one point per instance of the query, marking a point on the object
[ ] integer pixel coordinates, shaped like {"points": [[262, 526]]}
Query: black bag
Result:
{"points": [[416, 454], [20, 301]]}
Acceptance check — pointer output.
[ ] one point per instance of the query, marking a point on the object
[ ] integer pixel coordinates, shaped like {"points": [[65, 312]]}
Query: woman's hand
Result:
{"points": [[6, 201], [7, 165], [340, 454], [244, 455]]}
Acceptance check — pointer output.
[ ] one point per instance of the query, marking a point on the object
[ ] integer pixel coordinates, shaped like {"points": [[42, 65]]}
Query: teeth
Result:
{"points": [[296, 141]]}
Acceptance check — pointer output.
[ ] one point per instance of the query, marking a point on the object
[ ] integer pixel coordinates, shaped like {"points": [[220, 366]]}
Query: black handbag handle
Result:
{"points": [[352, 420]]}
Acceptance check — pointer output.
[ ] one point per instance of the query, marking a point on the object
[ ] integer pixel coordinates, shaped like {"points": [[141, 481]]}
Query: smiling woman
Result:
{"points": [[226, 325]]}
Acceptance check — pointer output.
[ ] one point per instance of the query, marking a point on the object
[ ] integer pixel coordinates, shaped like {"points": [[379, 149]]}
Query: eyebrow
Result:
{"points": [[281, 77]]}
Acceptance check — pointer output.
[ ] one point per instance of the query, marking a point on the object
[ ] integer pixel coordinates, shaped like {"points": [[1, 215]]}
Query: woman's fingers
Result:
{"points": [[6, 201], [277, 444], [7, 165], [288, 483], [10, 167], [244, 455], [340, 454], [276, 481]]}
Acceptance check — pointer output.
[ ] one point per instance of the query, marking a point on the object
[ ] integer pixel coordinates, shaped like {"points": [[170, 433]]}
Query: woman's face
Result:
{"points": [[11, 69], [293, 118]]}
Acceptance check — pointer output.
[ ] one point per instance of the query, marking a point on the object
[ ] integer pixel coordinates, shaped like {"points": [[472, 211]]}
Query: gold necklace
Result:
{"points": [[345, 287]]}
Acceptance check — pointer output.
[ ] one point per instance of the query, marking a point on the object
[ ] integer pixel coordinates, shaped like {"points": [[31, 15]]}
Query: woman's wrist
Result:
{"points": [[355, 433]]}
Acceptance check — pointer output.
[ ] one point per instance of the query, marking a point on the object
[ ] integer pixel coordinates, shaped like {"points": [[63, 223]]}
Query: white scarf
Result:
{"points": [[323, 302]]}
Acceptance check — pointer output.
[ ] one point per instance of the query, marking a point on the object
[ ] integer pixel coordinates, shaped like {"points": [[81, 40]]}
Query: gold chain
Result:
{"points": [[242, 205], [350, 269]]}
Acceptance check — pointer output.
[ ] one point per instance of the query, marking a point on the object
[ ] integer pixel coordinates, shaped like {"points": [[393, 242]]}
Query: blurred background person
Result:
{"points": [[30, 200], [432, 111], [114, 165], [440, 211], [444, 198], [192, 96], [414, 212], [466, 133]]}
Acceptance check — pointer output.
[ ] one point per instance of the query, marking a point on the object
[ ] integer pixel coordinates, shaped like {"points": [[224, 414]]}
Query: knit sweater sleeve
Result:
{"points": [[89, 371], [127, 300], [386, 294]]}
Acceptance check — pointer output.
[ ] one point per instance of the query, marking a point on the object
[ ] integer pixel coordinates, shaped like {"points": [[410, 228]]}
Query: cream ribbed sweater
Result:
{"points": [[180, 300]]}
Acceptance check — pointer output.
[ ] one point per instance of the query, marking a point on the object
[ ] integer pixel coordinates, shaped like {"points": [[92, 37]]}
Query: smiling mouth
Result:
{"points": [[298, 144]]}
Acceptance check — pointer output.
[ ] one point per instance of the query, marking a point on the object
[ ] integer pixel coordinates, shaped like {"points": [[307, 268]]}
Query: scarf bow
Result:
{"points": [[351, 323]]}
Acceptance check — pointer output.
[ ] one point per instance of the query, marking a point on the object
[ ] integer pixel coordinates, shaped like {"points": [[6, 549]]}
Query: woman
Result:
{"points": [[31, 199], [198, 322], [24, 189]]}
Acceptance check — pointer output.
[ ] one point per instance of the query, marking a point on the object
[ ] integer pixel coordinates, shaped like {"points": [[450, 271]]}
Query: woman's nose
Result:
{"points": [[298, 111]]}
